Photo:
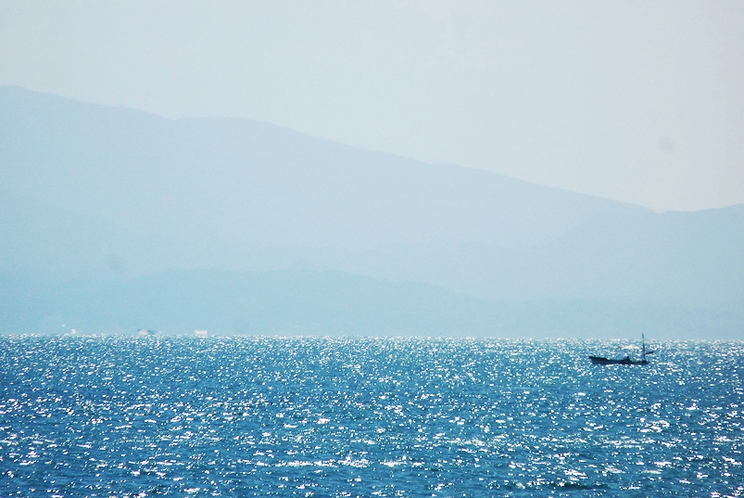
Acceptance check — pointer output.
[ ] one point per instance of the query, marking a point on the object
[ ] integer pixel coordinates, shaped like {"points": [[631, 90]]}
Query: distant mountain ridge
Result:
{"points": [[89, 191], [260, 181]]}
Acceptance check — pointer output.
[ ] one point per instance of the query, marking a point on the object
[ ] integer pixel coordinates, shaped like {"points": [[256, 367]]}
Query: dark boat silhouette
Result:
{"points": [[601, 360]]}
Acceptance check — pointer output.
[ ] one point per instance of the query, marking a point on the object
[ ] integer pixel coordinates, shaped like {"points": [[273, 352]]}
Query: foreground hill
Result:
{"points": [[292, 302]]}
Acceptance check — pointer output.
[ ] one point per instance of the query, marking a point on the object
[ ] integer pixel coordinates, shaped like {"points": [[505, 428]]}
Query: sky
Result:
{"points": [[641, 102]]}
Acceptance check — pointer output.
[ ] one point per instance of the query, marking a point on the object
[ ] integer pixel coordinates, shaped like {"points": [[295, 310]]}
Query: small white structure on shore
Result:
{"points": [[201, 333]]}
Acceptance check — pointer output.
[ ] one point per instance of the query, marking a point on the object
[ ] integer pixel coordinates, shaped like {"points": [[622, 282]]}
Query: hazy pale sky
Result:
{"points": [[636, 101]]}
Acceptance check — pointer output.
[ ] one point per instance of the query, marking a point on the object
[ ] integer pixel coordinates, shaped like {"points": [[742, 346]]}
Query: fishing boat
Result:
{"points": [[601, 360]]}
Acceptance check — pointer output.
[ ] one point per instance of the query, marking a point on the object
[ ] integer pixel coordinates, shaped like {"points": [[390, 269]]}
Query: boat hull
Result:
{"points": [[599, 360]]}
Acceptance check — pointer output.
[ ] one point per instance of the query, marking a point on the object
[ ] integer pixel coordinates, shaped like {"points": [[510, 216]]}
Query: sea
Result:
{"points": [[344, 417]]}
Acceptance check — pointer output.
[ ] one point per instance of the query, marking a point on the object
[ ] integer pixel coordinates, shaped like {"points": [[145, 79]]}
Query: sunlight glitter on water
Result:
{"points": [[361, 417]]}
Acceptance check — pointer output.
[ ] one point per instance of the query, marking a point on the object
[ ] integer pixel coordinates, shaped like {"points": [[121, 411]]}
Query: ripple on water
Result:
{"points": [[361, 417]]}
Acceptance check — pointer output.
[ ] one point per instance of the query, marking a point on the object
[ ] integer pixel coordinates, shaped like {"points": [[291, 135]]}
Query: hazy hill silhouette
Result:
{"points": [[102, 193]]}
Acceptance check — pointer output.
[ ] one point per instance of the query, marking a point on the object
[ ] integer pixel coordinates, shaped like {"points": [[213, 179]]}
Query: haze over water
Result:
{"points": [[364, 417]]}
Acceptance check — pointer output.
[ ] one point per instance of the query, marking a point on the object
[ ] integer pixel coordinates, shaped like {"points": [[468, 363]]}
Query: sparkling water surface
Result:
{"points": [[367, 417]]}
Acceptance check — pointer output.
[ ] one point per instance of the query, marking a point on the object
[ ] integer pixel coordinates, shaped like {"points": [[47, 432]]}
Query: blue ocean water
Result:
{"points": [[367, 417]]}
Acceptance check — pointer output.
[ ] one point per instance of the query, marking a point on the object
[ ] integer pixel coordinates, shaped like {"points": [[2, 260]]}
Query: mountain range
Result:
{"points": [[107, 205]]}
